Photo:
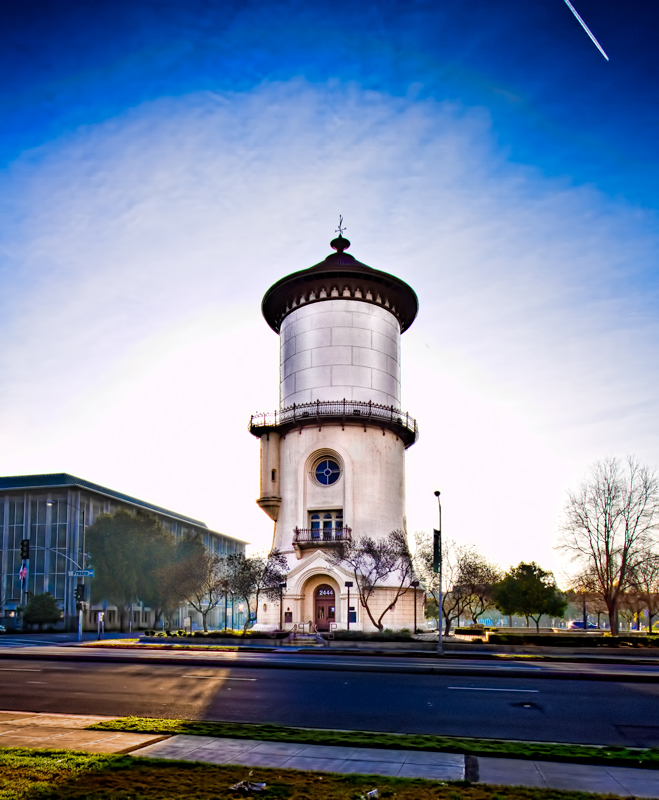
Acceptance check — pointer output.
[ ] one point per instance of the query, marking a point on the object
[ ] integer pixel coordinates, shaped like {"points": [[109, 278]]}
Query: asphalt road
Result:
{"points": [[599, 712]]}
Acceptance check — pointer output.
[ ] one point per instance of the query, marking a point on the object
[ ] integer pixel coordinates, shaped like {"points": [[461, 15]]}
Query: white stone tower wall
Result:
{"points": [[371, 489], [338, 349]]}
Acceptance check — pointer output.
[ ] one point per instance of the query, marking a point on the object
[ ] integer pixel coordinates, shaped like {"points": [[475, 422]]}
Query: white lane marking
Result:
{"points": [[218, 678], [17, 669], [484, 689]]}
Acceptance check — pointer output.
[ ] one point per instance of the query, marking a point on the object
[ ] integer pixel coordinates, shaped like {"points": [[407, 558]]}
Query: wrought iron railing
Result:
{"points": [[322, 535], [344, 409]]}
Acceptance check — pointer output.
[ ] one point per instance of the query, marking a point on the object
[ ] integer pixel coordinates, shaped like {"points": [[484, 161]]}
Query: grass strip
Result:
{"points": [[541, 751], [64, 775]]}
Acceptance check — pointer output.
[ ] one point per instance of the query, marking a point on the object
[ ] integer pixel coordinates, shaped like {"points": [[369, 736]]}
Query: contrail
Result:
{"points": [[586, 28]]}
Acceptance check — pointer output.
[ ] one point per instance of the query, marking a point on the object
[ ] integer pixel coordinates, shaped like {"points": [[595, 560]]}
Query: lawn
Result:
{"points": [[65, 775]]}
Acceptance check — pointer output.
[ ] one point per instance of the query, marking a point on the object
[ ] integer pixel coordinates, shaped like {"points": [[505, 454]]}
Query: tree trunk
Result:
{"points": [[612, 607]]}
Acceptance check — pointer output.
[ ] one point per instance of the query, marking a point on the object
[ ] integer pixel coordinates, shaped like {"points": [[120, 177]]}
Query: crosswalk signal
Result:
{"points": [[25, 548]]}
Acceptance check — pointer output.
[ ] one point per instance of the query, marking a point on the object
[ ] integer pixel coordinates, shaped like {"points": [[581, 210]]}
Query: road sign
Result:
{"points": [[81, 573]]}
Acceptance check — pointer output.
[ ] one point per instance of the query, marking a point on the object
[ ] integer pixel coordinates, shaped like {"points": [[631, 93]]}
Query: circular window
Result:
{"points": [[327, 471]]}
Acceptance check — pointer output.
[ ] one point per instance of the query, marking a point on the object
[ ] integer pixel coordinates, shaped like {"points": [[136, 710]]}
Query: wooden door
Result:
{"points": [[324, 607]]}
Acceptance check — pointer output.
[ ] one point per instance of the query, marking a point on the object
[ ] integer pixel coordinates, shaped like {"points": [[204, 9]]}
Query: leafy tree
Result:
{"points": [[126, 552], [42, 609], [610, 522], [252, 577], [371, 562], [154, 589], [530, 591]]}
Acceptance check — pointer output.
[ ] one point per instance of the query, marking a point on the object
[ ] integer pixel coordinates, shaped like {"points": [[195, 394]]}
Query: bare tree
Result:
{"points": [[461, 574], [583, 594], [201, 579], [645, 580], [372, 562], [609, 522], [477, 578], [255, 576]]}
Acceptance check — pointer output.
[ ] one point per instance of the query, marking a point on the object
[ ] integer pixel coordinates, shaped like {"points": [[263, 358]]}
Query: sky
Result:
{"points": [[163, 163]]}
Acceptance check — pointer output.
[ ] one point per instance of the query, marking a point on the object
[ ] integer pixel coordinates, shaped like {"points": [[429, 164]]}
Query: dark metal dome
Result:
{"points": [[340, 276]]}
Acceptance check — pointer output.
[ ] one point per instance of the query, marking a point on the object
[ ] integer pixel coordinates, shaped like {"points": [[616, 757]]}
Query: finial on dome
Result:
{"points": [[340, 243]]}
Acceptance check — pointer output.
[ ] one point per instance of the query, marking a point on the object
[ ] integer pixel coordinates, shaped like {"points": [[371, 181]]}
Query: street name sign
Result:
{"points": [[81, 573]]}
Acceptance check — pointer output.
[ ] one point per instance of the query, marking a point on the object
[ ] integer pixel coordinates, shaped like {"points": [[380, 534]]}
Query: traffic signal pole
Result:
{"points": [[25, 568]]}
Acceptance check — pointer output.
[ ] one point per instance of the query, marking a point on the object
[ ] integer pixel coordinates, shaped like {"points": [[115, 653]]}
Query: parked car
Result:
{"points": [[577, 625]]}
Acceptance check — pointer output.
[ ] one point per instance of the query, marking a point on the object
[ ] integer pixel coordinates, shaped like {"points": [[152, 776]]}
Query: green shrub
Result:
{"points": [[471, 631], [562, 640]]}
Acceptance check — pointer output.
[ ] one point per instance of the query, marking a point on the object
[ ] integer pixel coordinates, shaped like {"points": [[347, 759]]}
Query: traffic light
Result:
{"points": [[79, 593], [436, 550], [25, 548]]}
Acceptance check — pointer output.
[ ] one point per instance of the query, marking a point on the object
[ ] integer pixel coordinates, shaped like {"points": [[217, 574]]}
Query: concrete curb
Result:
{"points": [[443, 668]]}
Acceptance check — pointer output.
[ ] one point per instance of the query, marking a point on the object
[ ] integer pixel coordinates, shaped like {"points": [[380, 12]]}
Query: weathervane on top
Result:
{"points": [[340, 229]]}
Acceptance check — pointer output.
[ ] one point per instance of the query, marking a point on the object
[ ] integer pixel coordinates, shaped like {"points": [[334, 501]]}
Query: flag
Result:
{"points": [[22, 573]]}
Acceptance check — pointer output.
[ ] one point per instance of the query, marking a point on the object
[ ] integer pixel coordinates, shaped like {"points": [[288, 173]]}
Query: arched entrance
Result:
{"points": [[324, 607]]}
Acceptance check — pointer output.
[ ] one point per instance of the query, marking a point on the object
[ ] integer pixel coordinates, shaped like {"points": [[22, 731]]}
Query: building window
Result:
{"points": [[327, 471], [57, 561], [326, 526], [16, 532]]}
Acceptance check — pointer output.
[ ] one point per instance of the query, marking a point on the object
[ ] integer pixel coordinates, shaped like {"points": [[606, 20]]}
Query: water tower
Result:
{"points": [[333, 455]]}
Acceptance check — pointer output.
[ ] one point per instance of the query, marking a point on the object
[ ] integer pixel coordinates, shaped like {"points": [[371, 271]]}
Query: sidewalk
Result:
{"points": [[67, 731]]}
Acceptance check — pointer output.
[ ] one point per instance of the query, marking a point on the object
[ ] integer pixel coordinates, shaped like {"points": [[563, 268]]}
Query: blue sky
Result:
{"points": [[162, 163]]}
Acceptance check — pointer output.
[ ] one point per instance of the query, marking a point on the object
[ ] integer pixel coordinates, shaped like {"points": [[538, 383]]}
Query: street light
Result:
{"points": [[282, 586], [437, 566], [415, 586], [81, 511]]}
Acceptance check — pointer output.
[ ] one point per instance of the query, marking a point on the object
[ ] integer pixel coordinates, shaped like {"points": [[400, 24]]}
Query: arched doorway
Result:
{"points": [[324, 607]]}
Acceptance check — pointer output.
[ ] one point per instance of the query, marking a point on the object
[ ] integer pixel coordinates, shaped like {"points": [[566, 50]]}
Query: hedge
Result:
{"points": [[558, 640]]}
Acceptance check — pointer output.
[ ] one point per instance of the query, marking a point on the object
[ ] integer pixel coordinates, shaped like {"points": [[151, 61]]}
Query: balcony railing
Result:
{"points": [[321, 537], [340, 410]]}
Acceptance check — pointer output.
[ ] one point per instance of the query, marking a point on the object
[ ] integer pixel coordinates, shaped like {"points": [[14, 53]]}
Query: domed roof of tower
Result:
{"points": [[340, 276]]}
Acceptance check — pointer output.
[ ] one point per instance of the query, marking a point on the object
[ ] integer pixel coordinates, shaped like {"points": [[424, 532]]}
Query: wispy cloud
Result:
{"points": [[138, 251]]}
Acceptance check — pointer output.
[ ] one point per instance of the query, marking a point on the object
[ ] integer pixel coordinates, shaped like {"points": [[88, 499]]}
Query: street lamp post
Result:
{"points": [[282, 586], [79, 603], [415, 586], [438, 567]]}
